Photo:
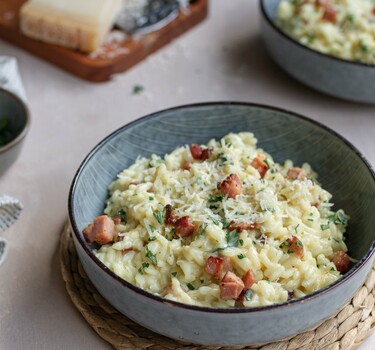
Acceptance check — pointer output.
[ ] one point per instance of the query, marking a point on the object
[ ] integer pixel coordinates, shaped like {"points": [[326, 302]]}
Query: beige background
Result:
{"points": [[222, 59]]}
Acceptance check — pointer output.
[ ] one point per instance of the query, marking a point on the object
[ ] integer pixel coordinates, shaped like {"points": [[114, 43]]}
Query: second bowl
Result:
{"points": [[333, 76]]}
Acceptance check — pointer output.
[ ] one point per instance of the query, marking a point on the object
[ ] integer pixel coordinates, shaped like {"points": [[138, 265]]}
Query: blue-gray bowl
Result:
{"points": [[14, 116], [349, 80], [343, 172]]}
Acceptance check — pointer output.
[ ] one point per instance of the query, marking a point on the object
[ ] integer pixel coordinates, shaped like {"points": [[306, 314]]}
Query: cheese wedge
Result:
{"points": [[76, 24]]}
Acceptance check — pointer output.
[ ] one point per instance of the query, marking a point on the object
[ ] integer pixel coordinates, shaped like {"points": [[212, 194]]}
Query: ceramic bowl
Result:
{"points": [[343, 172], [16, 114], [345, 79]]}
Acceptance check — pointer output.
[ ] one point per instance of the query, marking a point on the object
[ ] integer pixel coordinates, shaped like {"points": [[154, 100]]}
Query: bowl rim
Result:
{"points": [[307, 48], [234, 310], [26, 126]]}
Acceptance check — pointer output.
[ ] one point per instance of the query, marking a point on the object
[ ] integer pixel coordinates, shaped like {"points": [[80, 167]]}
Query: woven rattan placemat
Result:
{"points": [[344, 331]]}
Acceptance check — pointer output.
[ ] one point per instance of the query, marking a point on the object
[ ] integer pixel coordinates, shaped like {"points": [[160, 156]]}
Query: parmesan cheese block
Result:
{"points": [[74, 24]]}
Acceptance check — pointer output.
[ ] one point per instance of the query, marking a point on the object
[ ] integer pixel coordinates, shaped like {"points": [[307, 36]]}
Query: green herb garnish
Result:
{"points": [[222, 157], [122, 214], [151, 239], [241, 241], [144, 266], [151, 256], [232, 238], [248, 295], [338, 218], [137, 89], [160, 216], [152, 228], [324, 227], [311, 37], [174, 274], [190, 286], [202, 233], [216, 222], [214, 199], [241, 256]]}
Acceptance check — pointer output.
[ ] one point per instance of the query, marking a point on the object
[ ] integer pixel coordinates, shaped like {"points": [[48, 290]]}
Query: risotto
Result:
{"points": [[221, 225], [342, 28]]}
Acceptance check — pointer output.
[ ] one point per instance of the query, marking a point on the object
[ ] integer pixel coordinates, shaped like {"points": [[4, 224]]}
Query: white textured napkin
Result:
{"points": [[10, 78], [10, 208]]}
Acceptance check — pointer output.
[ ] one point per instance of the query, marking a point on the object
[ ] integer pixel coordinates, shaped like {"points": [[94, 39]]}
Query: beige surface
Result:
{"points": [[223, 59]]}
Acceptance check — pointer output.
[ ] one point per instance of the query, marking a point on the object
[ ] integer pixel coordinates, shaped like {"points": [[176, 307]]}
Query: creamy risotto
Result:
{"points": [[342, 28], [221, 225]]}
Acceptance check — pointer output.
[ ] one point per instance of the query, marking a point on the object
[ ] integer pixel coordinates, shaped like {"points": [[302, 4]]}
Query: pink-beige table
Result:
{"points": [[222, 59]]}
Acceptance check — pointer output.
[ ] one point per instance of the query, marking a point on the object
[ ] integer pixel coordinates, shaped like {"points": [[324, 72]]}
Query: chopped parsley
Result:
{"points": [[299, 244], [248, 295], [226, 223], [241, 256], [311, 37], [190, 286], [143, 267], [214, 199], [122, 214], [160, 216], [324, 227], [364, 47], [174, 274], [215, 221], [267, 163], [202, 232], [152, 228], [295, 229], [338, 218], [222, 157], [151, 256], [151, 198], [151, 239], [350, 17], [241, 241], [137, 89], [285, 244], [232, 238]]}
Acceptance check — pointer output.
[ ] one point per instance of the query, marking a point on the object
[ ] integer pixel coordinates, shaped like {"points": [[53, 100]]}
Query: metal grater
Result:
{"points": [[153, 15]]}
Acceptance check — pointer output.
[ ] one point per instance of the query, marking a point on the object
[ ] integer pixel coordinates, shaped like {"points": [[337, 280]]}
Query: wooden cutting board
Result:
{"points": [[117, 55]]}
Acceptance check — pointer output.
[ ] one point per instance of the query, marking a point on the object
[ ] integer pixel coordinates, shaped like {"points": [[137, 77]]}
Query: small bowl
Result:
{"points": [[343, 172], [18, 123], [349, 80]]}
